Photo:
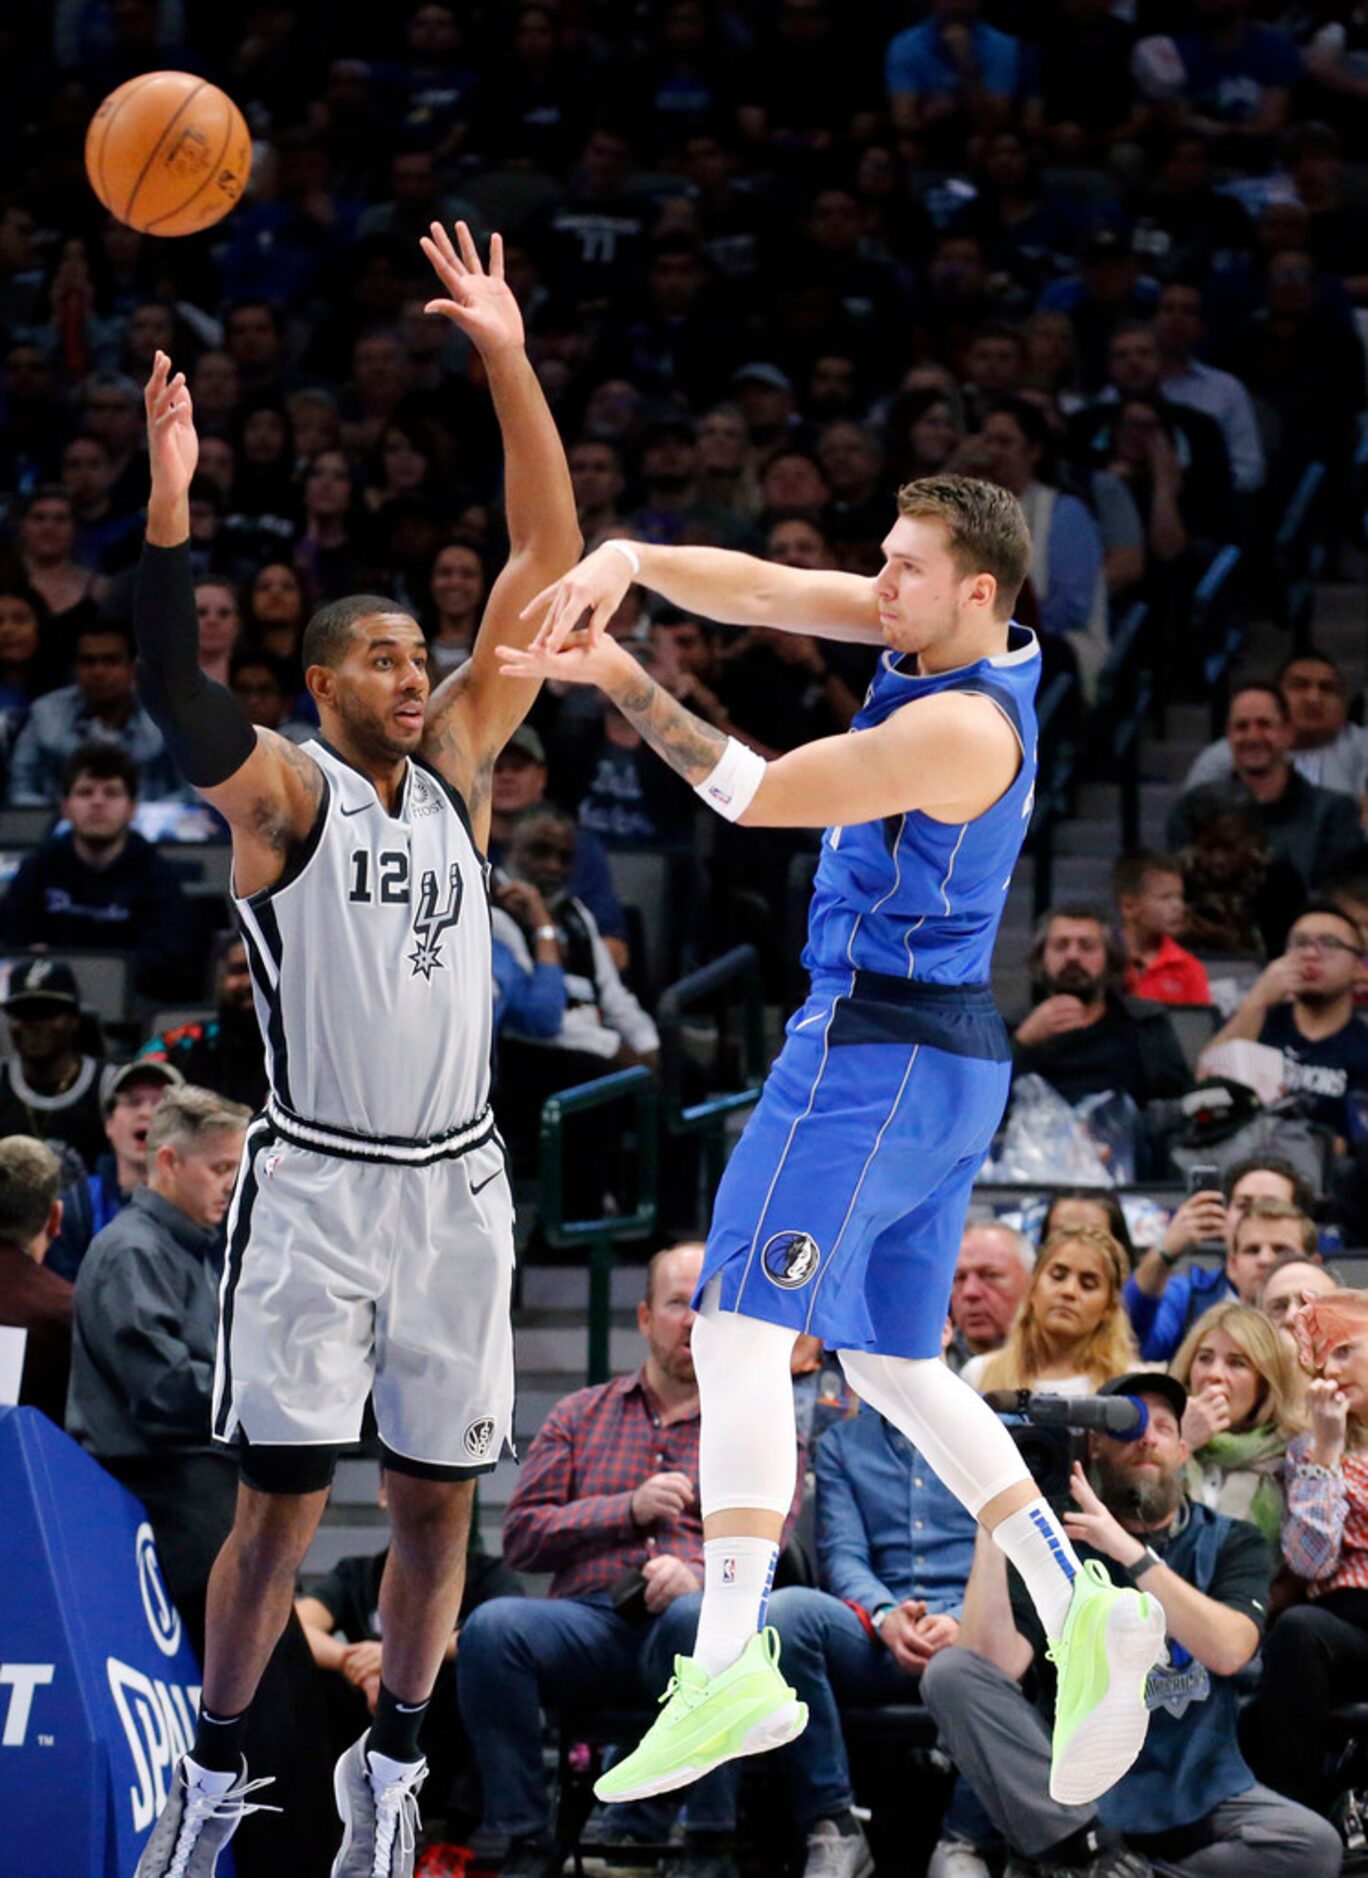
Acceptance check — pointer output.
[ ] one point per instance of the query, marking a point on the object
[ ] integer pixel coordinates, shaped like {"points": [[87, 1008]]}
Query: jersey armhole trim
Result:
{"points": [[966, 691], [457, 801], [303, 854]]}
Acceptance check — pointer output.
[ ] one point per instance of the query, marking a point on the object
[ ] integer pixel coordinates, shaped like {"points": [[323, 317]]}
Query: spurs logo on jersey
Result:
{"points": [[371, 973], [429, 924]]}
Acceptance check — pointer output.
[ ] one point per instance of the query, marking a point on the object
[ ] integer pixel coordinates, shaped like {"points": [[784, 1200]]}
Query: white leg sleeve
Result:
{"points": [[948, 1421], [748, 1444]]}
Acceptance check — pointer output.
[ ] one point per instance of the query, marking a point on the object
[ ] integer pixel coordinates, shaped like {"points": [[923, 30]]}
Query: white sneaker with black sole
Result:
{"points": [[379, 1823], [194, 1826]]}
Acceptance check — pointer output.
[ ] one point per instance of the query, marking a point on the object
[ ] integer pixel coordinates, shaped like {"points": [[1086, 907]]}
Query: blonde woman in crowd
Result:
{"points": [[1071, 1333], [1242, 1412]]}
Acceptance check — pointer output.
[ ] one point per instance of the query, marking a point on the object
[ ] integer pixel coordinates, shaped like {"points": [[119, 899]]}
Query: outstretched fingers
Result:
{"points": [[441, 241], [470, 254], [156, 383]]}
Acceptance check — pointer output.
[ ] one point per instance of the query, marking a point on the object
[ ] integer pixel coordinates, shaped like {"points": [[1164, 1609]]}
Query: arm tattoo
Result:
{"points": [[687, 744], [273, 818]]}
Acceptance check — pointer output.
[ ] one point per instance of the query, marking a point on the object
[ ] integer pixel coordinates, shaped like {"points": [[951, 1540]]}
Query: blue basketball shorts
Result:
{"points": [[842, 1208]]}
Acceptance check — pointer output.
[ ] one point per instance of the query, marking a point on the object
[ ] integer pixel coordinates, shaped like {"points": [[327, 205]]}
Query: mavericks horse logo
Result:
{"points": [[790, 1259], [430, 922]]}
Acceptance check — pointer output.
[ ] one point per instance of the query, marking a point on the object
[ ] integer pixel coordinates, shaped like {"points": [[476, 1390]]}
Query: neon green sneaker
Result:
{"points": [[1112, 1638], [706, 1720]]}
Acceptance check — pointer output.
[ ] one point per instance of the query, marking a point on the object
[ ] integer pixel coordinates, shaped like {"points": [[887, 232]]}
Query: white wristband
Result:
{"points": [[628, 553], [731, 785]]}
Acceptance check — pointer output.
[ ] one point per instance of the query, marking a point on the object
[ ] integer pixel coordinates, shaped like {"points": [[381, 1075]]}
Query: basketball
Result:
{"points": [[168, 153]]}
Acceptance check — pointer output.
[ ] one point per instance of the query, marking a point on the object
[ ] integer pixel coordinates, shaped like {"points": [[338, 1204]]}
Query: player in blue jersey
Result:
{"points": [[842, 1208]]}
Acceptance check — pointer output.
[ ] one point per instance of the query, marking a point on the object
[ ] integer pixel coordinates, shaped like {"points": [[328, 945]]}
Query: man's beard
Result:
{"points": [[1130, 1497], [370, 735], [1072, 981]]}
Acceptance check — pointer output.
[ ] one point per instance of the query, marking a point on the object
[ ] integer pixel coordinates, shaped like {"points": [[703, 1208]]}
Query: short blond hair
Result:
{"points": [[1277, 1209], [185, 1117], [30, 1175], [986, 526]]}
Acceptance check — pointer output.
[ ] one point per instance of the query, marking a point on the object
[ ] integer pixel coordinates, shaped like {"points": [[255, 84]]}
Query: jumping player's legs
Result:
{"points": [[251, 1595], [820, 1226]]}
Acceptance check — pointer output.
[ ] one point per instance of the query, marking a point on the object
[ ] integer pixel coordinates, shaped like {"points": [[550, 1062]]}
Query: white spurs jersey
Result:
{"points": [[371, 967]]}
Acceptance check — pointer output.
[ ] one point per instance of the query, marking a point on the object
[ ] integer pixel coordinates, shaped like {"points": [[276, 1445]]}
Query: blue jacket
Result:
{"points": [[1160, 1324], [887, 1527]]}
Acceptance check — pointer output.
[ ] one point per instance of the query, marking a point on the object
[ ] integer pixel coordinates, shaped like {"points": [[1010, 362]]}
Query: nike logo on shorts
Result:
{"points": [[485, 1182]]}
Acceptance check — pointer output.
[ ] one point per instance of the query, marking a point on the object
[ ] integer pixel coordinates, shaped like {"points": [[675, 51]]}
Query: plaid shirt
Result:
{"points": [[571, 1513], [1325, 1527]]}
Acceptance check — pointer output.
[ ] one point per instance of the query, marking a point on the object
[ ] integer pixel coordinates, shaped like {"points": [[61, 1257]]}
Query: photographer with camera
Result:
{"points": [[1162, 1307], [1190, 1804], [607, 1500]]}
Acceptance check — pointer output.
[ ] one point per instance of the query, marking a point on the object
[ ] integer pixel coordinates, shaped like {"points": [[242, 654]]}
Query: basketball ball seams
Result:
{"points": [[214, 171], [160, 144], [164, 167]]}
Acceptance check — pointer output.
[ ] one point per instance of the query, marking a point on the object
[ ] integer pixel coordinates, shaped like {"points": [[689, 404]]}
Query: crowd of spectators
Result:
{"points": [[774, 259]]}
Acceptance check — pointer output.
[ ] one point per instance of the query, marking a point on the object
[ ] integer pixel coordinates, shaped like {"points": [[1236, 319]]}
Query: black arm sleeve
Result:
{"points": [[206, 729]]}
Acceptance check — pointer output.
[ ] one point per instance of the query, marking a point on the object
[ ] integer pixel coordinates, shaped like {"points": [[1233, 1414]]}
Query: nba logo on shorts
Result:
{"points": [[790, 1259], [478, 1439]]}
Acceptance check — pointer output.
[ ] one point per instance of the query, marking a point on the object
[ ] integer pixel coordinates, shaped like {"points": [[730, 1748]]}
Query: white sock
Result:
{"points": [[206, 1780], [1038, 1546], [384, 1772], [737, 1575]]}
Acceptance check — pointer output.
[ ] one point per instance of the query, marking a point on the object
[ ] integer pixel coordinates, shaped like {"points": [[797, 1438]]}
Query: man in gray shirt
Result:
{"points": [[1310, 827], [146, 1310]]}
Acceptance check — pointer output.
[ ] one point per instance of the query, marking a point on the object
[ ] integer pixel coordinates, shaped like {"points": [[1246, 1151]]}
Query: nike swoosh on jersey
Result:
{"points": [[485, 1182], [360, 809]]}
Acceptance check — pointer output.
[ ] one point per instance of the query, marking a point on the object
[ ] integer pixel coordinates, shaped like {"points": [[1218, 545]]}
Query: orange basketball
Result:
{"points": [[168, 153]]}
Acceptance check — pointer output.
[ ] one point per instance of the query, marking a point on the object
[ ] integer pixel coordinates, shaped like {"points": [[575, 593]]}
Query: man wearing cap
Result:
{"points": [[520, 784], [1190, 1803], [765, 397], [48, 1087], [131, 1095]]}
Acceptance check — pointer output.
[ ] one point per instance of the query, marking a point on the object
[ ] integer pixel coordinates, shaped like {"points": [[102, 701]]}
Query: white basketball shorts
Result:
{"points": [[347, 1277]]}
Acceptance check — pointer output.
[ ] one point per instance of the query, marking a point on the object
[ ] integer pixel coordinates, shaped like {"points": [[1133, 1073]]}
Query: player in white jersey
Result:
{"points": [[370, 1237]]}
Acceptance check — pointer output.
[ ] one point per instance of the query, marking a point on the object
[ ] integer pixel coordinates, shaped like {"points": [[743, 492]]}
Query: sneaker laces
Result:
{"points": [[201, 1808], [396, 1823], [682, 1694]]}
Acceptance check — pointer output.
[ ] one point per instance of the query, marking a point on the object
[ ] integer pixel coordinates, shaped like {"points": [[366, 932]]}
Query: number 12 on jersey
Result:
{"points": [[392, 871]]}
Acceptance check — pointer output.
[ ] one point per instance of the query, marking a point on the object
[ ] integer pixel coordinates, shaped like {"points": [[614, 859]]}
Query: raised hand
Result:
{"points": [[595, 588], [172, 445], [1328, 1408], [1207, 1414], [480, 303], [1095, 1526]]}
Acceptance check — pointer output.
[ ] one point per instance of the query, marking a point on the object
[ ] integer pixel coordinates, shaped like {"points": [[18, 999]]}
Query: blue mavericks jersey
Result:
{"points": [[911, 897]]}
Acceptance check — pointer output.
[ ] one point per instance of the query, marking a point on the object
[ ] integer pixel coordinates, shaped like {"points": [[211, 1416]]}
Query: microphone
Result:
{"points": [[1123, 1417]]}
